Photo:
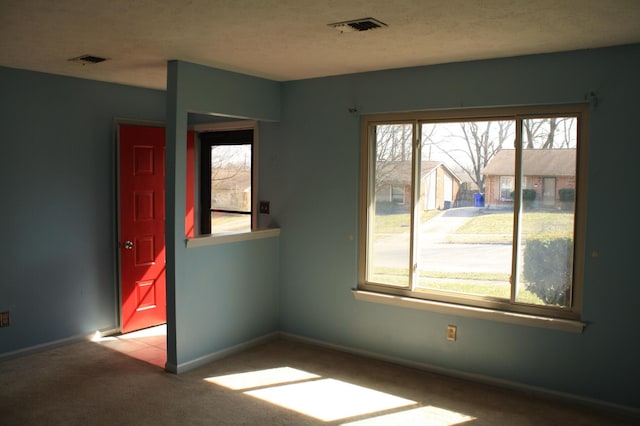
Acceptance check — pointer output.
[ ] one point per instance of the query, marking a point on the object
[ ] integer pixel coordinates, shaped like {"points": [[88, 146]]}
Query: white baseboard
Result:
{"points": [[206, 359], [56, 343], [473, 377]]}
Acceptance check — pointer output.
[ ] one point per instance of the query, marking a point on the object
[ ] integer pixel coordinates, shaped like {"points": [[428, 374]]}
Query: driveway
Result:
{"points": [[447, 222]]}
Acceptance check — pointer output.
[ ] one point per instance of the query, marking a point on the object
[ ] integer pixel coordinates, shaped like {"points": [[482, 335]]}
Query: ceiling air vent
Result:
{"points": [[357, 25], [88, 59]]}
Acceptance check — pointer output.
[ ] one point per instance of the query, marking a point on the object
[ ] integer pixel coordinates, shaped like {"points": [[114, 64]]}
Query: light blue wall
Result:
{"points": [[316, 204], [57, 273], [217, 296], [230, 296], [57, 238], [57, 260]]}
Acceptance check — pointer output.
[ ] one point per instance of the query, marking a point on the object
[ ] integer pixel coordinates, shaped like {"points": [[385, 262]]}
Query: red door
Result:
{"points": [[141, 239]]}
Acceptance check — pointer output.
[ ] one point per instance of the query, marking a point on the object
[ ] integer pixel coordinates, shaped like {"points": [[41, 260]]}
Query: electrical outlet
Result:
{"points": [[5, 319], [264, 207], [452, 332]]}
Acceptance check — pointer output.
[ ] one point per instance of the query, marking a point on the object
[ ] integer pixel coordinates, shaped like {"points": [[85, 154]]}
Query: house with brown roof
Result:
{"points": [[545, 171], [439, 185]]}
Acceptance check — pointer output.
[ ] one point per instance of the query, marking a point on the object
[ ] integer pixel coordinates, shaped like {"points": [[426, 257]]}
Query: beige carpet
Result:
{"points": [[280, 382]]}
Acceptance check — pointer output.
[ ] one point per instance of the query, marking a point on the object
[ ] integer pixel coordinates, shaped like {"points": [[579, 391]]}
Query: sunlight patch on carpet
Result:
{"points": [[329, 399], [261, 378], [427, 416]]}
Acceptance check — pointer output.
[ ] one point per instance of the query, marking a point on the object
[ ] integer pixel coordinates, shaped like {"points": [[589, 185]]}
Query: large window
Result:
{"points": [[512, 240], [226, 181]]}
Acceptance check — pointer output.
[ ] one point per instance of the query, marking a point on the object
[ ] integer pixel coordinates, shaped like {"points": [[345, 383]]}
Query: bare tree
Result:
{"points": [[473, 145], [230, 176], [569, 135], [531, 128], [227, 161], [548, 133], [393, 152]]}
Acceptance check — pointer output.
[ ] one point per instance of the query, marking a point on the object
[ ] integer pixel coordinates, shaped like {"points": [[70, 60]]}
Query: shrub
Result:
{"points": [[567, 194], [547, 273], [528, 195]]}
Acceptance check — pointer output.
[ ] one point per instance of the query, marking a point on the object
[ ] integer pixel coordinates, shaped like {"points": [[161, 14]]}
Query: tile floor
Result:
{"points": [[149, 345]]}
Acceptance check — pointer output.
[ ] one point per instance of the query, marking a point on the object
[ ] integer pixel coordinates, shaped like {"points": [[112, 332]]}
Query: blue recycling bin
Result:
{"points": [[478, 200]]}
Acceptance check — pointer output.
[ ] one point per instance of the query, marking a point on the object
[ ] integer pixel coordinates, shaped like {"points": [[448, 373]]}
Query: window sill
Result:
{"points": [[212, 240], [571, 326]]}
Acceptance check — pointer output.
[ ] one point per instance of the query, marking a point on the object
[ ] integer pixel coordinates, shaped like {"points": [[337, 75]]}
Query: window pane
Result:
{"points": [[548, 206], [466, 227], [231, 177], [507, 186], [229, 222], [390, 224]]}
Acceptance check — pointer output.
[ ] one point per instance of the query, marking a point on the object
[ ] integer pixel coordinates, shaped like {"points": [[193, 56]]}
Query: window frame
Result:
{"points": [[465, 302], [201, 162]]}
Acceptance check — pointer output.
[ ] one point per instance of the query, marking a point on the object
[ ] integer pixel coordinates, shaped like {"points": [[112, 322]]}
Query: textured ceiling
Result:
{"points": [[289, 39]]}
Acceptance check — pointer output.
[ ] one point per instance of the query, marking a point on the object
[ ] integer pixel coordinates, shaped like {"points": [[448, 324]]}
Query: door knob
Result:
{"points": [[128, 245]]}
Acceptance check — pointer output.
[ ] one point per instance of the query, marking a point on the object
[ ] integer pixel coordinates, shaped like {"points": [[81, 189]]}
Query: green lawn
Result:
{"points": [[397, 223], [532, 223], [485, 228], [478, 283], [498, 227]]}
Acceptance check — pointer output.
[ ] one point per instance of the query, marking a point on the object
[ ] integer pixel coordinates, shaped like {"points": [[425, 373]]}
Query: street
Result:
{"points": [[435, 254]]}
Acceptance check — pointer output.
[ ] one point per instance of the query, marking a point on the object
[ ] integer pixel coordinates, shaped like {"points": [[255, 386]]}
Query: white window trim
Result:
{"points": [[212, 240], [500, 311], [560, 324]]}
